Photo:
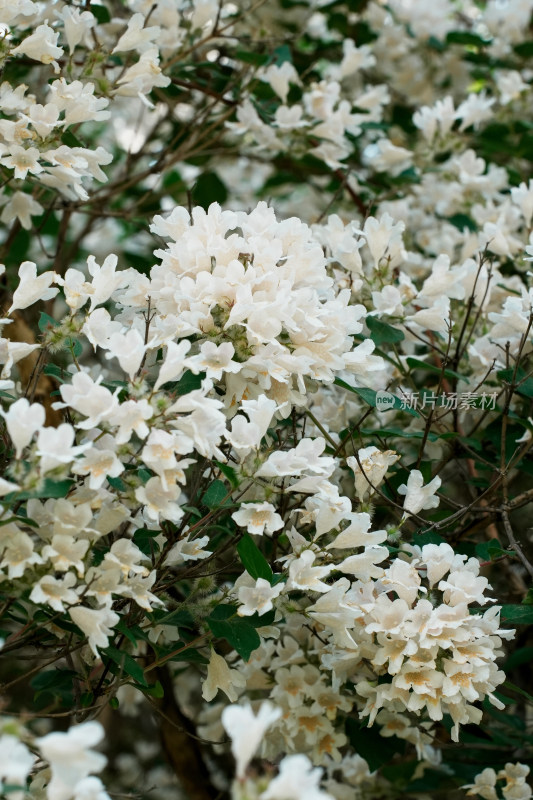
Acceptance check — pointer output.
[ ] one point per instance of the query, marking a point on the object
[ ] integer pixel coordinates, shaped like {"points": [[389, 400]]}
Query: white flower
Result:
{"points": [[436, 318], [214, 360], [247, 730], [55, 592], [484, 785], [32, 288], [143, 76], [21, 206], [355, 58], [18, 552], [371, 468], [136, 36], [138, 588], [357, 533], [383, 156], [187, 550], [159, 453], [510, 85], [76, 24], [131, 417], [384, 239], [258, 598], [55, 447], [417, 496], [174, 363], [89, 398], [522, 196], [438, 559], [279, 78], [65, 552], [6, 487], [75, 289], [475, 109], [258, 518], [70, 757], [463, 586], [99, 326], [127, 555], [220, 676], [41, 46], [11, 353], [304, 576], [297, 780], [96, 624], [516, 787], [98, 463], [364, 565], [91, 788], [105, 279], [16, 762], [160, 501], [403, 579], [129, 349], [23, 421]]}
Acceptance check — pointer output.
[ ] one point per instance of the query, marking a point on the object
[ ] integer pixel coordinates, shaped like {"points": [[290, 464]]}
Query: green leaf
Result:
{"points": [[526, 384], [145, 541], [464, 37], [416, 363], [430, 537], [56, 372], [402, 434], [101, 13], [282, 54], [47, 322], [518, 690], [239, 632], [517, 614], [74, 346], [117, 483], [229, 473], [248, 57], [216, 495], [70, 140], [523, 655], [156, 690], [21, 520], [253, 560], [462, 221], [369, 396], [528, 599], [127, 664], [209, 189], [381, 332], [57, 681], [180, 618], [87, 699], [524, 49], [131, 632], [491, 550], [188, 382], [182, 651], [49, 488], [367, 742]]}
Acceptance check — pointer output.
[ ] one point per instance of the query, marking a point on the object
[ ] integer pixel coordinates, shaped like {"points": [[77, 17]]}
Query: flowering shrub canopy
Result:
{"points": [[266, 399]]}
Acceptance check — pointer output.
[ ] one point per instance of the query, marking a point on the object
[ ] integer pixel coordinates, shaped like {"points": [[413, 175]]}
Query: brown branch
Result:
{"points": [[181, 745]]}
